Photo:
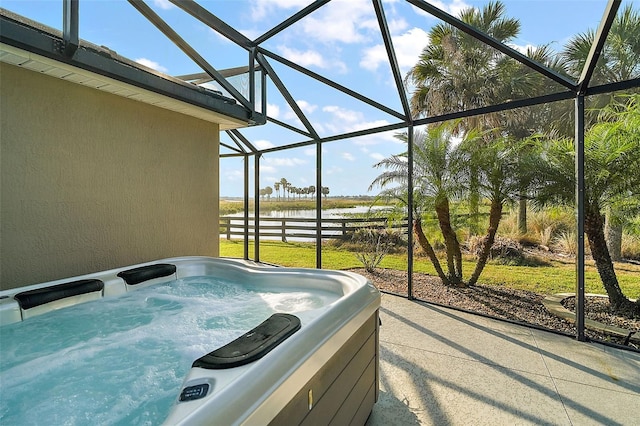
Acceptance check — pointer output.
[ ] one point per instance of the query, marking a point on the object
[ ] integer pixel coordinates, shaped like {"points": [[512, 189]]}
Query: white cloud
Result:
{"points": [[306, 107], [373, 57], [312, 58], [267, 169], [260, 9], [233, 175], [273, 110], [152, 64], [377, 156], [343, 114], [263, 144], [348, 156], [522, 49], [452, 8], [285, 161], [346, 120], [340, 20], [311, 152], [407, 47], [303, 58], [397, 25], [163, 4]]}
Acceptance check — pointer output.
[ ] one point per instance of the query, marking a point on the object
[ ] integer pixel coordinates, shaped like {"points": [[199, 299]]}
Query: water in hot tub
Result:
{"points": [[122, 360]]}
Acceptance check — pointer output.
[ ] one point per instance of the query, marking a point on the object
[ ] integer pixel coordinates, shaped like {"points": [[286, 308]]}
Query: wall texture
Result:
{"points": [[93, 181]]}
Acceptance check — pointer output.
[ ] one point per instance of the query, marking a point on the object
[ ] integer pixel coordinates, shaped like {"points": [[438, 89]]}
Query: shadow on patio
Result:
{"points": [[440, 366]]}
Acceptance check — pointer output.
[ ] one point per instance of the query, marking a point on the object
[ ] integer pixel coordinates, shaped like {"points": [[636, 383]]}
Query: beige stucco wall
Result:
{"points": [[92, 181]]}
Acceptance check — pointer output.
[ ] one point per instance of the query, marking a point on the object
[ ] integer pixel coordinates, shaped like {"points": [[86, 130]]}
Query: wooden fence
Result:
{"points": [[303, 228]]}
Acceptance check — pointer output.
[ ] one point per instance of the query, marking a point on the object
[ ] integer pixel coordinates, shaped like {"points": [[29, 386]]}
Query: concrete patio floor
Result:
{"points": [[443, 367]]}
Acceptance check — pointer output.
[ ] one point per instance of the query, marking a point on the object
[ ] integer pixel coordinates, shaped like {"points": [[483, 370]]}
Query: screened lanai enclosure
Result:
{"points": [[479, 124]]}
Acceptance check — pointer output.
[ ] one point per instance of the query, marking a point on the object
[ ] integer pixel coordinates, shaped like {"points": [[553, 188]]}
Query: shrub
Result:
{"points": [[545, 236], [566, 242], [630, 246], [550, 223], [374, 245], [505, 251]]}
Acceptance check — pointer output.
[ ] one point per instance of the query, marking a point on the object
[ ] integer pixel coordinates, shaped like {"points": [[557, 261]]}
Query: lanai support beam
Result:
{"points": [[580, 263], [410, 200], [246, 208], [70, 25], [256, 210], [318, 205]]}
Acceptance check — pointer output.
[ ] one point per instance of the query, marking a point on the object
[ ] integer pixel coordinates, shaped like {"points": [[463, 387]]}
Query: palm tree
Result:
{"points": [[442, 171], [612, 172], [436, 178], [457, 72], [325, 191], [312, 190], [505, 167], [619, 61], [276, 186], [523, 123], [285, 186]]}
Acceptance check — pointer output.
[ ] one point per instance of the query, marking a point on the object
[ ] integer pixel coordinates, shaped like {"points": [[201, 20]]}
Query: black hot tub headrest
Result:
{"points": [[32, 298], [146, 273]]}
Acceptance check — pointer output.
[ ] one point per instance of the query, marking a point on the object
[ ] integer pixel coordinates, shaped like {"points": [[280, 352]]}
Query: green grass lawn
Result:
{"points": [[559, 277]]}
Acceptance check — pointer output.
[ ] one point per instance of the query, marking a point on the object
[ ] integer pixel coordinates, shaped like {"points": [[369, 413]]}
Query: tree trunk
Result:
{"points": [[474, 203], [522, 216], [424, 244], [594, 228], [495, 214], [613, 235], [454, 253]]}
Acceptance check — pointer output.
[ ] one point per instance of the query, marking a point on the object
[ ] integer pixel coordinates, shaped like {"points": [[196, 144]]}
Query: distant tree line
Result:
{"points": [[286, 191]]}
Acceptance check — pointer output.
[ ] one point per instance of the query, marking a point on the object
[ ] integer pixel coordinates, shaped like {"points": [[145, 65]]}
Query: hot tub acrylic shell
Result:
{"points": [[327, 372]]}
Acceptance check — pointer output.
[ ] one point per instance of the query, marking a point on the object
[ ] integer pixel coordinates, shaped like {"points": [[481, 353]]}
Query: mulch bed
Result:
{"points": [[499, 302]]}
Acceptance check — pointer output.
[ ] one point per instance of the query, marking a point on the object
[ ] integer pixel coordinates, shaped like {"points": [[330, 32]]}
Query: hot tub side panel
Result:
{"points": [[344, 390]]}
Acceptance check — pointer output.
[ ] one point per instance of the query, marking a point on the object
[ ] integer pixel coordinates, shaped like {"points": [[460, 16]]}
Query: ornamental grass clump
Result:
{"points": [[373, 245]]}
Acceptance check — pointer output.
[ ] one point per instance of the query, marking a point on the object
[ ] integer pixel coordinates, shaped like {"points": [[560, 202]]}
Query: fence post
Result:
{"points": [[228, 220], [284, 231]]}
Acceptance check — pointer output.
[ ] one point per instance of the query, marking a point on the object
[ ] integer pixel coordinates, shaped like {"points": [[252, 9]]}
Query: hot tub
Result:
{"points": [[301, 345]]}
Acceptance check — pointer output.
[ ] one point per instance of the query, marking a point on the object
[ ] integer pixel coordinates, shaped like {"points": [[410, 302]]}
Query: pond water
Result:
{"points": [[311, 214]]}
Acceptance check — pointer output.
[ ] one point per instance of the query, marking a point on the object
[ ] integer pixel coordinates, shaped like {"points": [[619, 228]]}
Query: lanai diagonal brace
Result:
{"points": [[239, 137], [391, 54], [285, 93], [146, 11], [213, 22], [596, 48], [486, 39]]}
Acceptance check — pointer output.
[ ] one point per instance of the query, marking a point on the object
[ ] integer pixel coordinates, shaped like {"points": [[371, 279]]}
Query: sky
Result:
{"points": [[340, 41]]}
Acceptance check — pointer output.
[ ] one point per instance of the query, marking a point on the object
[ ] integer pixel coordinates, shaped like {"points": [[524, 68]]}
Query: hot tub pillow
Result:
{"points": [[146, 273], [32, 298], [252, 345]]}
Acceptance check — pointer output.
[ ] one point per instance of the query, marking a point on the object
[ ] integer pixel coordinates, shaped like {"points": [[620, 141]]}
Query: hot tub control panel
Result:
{"points": [[191, 393]]}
